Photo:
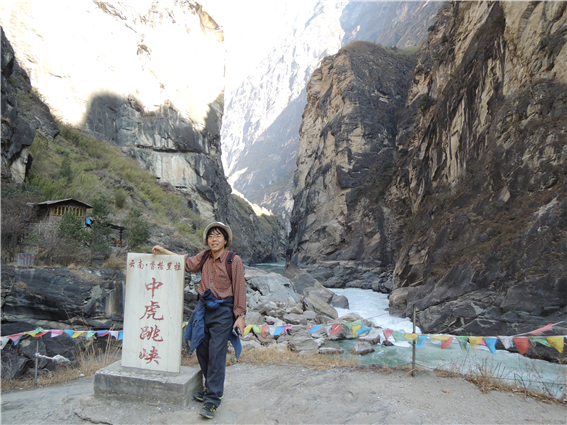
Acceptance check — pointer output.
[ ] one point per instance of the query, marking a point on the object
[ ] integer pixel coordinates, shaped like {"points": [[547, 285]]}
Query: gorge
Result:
{"points": [[439, 179]]}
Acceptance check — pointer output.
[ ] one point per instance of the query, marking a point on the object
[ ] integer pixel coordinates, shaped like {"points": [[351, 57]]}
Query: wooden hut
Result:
{"points": [[53, 210]]}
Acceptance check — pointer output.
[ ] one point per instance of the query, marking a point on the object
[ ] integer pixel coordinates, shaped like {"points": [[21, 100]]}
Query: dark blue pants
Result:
{"points": [[211, 352]]}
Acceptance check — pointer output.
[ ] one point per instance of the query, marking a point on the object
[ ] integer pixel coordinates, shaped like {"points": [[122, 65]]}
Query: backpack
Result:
{"points": [[229, 260]]}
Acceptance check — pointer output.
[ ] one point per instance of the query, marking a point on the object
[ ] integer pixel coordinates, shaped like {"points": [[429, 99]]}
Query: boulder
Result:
{"points": [[271, 285], [330, 350], [372, 336], [254, 318], [340, 301], [362, 348], [300, 278], [350, 317], [313, 302], [323, 293], [301, 343], [310, 315], [295, 319]]}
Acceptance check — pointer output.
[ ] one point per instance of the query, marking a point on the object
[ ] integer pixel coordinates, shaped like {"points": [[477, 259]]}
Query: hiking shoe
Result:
{"points": [[208, 410], [201, 395]]}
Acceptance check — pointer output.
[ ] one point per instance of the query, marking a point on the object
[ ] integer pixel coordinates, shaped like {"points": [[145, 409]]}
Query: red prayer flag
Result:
{"points": [[336, 328], [522, 344], [447, 342], [540, 331], [387, 333]]}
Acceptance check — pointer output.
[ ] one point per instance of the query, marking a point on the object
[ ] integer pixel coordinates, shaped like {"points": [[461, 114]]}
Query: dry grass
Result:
{"points": [[488, 377], [86, 364]]}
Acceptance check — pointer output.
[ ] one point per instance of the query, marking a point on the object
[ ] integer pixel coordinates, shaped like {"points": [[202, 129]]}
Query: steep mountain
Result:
{"points": [[347, 136], [148, 77], [470, 208], [260, 133]]}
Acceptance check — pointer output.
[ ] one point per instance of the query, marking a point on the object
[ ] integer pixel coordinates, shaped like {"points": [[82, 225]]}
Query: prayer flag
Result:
{"points": [[247, 329], [279, 330], [540, 331], [557, 342], [348, 326], [539, 339], [257, 329], [411, 336], [113, 334], [399, 336], [55, 333], [16, 338], [475, 340], [491, 343], [355, 329], [69, 332], [463, 341], [358, 322], [5, 340], [90, 333], [120, 335], [286, 328], [265, 331], [336, 328], [447, 342], [387, 333], [421, 340], [101, 333], [77, 334], [314, 329], [522, 344], [363, 329], [507, 341], [272, 329]]}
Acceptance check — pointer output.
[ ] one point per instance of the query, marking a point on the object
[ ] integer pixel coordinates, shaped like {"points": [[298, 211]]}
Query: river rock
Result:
{"points": [[362, 348], [330, 350], [295, 319], [301, 343], [339, 301], [271, 285], [372, 336], [313, 302]]}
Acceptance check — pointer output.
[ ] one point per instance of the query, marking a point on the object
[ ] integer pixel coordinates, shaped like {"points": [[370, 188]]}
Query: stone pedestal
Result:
{"points": [[143, 386]]}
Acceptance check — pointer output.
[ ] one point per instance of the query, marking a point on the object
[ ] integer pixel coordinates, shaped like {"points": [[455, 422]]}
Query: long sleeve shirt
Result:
{"points": [[214, 276]]}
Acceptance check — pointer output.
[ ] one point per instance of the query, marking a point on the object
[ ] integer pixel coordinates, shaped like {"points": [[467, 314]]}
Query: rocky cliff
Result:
{"points": [[260, 133], [482, 191], [347, 139], [146, 76], [475, 203]]}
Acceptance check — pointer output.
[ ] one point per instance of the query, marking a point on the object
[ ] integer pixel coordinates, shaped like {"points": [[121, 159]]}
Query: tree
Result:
{"points": [[100, 229], [18, 213], [138, 231], [66, 172], [72, 227]]}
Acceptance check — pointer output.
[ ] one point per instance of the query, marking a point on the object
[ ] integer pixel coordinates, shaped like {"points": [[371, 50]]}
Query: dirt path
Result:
{"points": [[293, 394]]}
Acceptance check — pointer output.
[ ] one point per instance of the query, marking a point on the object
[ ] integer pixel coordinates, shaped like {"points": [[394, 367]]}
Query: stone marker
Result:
{"points": [[151, 351], [153, 312]]}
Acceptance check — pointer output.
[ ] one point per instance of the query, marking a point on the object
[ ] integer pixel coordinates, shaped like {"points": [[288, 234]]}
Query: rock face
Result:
{"points": [[482, 190], [118, 73], [260, 132], [23, 113], [347, 138], [472, 211]]}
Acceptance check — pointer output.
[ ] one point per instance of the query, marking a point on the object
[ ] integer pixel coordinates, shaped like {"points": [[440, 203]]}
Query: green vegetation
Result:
{"points": [[431, 28], [425, 103], [444, 39], [406, 52], [138, 229]]}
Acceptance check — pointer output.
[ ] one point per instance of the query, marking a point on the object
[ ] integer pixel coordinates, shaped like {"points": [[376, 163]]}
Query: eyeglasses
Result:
{"points": [[217, 237]]}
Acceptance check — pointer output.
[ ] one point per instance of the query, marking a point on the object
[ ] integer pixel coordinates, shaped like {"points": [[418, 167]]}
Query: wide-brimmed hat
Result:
{"points": [[222, 226]]}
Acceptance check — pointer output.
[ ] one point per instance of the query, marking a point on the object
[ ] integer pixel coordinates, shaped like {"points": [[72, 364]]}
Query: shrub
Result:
{"points": [[120, 196], [431, 28], [138, 230], [72, 227], [425, 103], [444, 39], [100, 229]]}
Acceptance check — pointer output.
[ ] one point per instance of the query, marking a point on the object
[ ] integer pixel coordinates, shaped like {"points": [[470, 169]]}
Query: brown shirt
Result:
{"points": [[215, 277]]}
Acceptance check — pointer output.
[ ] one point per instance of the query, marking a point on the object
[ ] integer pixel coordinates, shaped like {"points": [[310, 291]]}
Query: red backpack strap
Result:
{"points": [[229, 264], [206, 255]]}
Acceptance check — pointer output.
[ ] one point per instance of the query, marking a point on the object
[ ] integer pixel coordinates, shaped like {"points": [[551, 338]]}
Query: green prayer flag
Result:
{"points": [[463, 342], [539, 339], [399, 336]]}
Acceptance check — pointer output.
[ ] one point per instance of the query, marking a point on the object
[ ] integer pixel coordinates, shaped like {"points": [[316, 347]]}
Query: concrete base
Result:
{"points": [[140, 385]]}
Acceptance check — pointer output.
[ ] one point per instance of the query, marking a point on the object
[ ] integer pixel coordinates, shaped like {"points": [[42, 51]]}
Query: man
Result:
{"points": [[226, 312]]}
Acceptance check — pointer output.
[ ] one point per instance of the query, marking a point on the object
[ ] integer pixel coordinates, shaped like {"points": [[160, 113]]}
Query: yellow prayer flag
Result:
{"points": [[355, 330], [77, 333], [557, 342], [475, 340], [411, 337], [439, 337], [247, 329]]}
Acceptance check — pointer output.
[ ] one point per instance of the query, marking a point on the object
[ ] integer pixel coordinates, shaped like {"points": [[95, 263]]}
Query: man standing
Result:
{"points": [[222, 304]]}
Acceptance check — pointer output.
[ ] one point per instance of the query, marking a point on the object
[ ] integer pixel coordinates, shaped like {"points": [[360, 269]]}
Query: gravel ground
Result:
{"points": [[293, 395]]}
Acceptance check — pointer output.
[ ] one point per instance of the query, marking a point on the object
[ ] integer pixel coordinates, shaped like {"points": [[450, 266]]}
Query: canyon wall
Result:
{"points": [[468, 202]]}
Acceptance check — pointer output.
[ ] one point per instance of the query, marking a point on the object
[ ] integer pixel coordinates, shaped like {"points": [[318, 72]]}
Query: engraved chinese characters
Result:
{"points": [[153, 312]]}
